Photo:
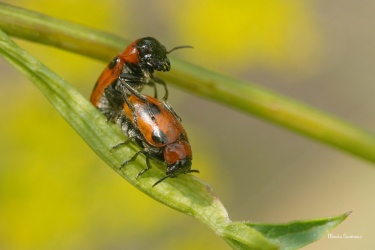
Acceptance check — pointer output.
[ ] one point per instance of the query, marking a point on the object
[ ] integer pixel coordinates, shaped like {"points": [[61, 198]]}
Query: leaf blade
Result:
{"points": [[186, 193], [296, 234]]}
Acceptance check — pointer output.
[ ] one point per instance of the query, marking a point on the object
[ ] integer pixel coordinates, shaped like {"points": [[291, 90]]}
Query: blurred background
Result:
{"points": [[55, 193]]}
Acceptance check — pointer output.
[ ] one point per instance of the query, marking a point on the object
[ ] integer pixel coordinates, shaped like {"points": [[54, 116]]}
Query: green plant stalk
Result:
{"points": [[275, 108], [59, 33], [241, 95]]}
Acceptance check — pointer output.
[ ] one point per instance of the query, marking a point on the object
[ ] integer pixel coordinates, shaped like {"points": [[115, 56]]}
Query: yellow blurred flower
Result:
{"points": [[236, 34]]}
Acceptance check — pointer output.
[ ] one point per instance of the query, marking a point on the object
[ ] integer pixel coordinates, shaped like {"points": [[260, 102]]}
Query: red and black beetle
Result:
{"points": [[130, 71], [162, 138]]}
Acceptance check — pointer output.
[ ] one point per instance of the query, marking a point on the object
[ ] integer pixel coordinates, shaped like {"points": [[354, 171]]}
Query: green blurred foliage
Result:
{"points": [[57, 194], [239, 34]]}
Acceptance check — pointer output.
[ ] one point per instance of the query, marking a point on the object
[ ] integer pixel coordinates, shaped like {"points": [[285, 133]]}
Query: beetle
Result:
{"points": [[130, 71], [163, 138]]}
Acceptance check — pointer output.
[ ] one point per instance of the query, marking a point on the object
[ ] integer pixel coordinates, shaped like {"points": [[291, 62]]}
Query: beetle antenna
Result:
{"points": [[194, 171], [162, 179], [167, 176], [180, 47]]}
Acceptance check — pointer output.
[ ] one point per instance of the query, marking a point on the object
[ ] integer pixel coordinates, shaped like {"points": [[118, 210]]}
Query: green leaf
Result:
{"points": [[186, 193], [240, 236], [296, 234]]}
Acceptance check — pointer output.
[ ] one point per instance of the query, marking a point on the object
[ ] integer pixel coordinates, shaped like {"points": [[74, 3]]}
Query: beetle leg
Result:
{"points": [[115, 101], [170, 109], [138, 95], [161, 81], [137, 79], [155, 91], [124, 78], [133, 158], [147, 164], [162, 179], [121, 144], [135, 120]]}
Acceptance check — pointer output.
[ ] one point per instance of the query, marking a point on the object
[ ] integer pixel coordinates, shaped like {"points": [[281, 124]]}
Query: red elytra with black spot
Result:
{"points": [[160, 134]]}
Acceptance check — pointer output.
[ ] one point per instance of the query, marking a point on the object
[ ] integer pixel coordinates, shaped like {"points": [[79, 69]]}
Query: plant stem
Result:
{"points": [[275, 108]]}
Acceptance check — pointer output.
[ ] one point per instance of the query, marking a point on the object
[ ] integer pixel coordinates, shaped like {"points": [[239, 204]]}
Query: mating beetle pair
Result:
{"points": [[152, 124]]}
